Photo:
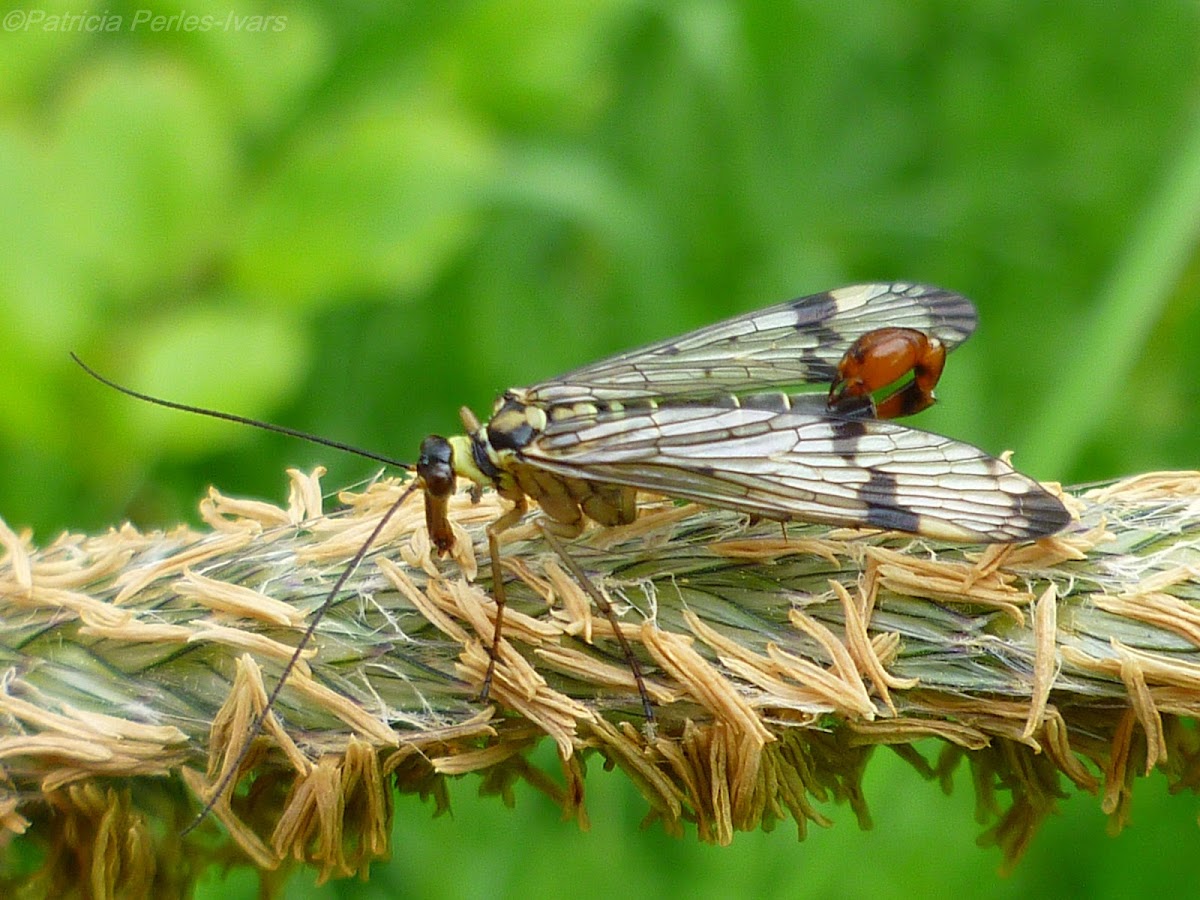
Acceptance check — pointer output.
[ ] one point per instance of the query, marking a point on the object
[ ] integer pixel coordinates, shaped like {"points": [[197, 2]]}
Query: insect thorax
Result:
{"points": [[491, 455], [486, 452]]}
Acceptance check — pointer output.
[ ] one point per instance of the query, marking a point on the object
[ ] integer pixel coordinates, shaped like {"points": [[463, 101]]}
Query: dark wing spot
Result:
{"points": [[817, 368], [853, 407], [1043, 511], [811, 311], [846, 433], [883, 506]]}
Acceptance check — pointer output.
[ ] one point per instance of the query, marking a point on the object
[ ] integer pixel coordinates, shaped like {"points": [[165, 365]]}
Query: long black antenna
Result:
{"points": [[231, 772], [256, 726], [241, 420]]}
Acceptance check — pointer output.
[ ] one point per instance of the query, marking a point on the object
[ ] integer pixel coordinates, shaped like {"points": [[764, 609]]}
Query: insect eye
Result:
{"points": [[435, 465]]}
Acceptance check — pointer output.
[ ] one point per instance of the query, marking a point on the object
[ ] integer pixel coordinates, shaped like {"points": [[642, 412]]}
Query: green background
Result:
{"points": [[360, 221]]}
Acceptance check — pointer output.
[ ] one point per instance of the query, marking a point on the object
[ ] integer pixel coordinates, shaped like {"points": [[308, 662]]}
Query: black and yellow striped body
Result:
{"points": [[708, 417], [491, 455]]}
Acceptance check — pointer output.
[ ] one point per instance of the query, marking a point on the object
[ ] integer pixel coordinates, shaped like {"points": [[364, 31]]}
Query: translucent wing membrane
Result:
{"points": [[772, 460], [702, 417], [794, 343]]}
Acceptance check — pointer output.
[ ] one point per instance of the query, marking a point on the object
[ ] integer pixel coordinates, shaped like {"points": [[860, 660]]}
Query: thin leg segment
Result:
{"points": [[605, 607]]}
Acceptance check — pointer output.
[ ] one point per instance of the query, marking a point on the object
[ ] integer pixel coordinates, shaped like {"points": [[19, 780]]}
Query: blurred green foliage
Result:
{"points": [[361, 217]]}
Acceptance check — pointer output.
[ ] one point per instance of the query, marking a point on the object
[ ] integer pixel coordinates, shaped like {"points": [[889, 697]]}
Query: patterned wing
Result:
{"points": [[770, 457], [793, 343]]}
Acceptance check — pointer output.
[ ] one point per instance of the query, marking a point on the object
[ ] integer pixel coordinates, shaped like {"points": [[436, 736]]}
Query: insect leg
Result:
{"points": [[503, 523], [231, 773], [605, 607]]}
